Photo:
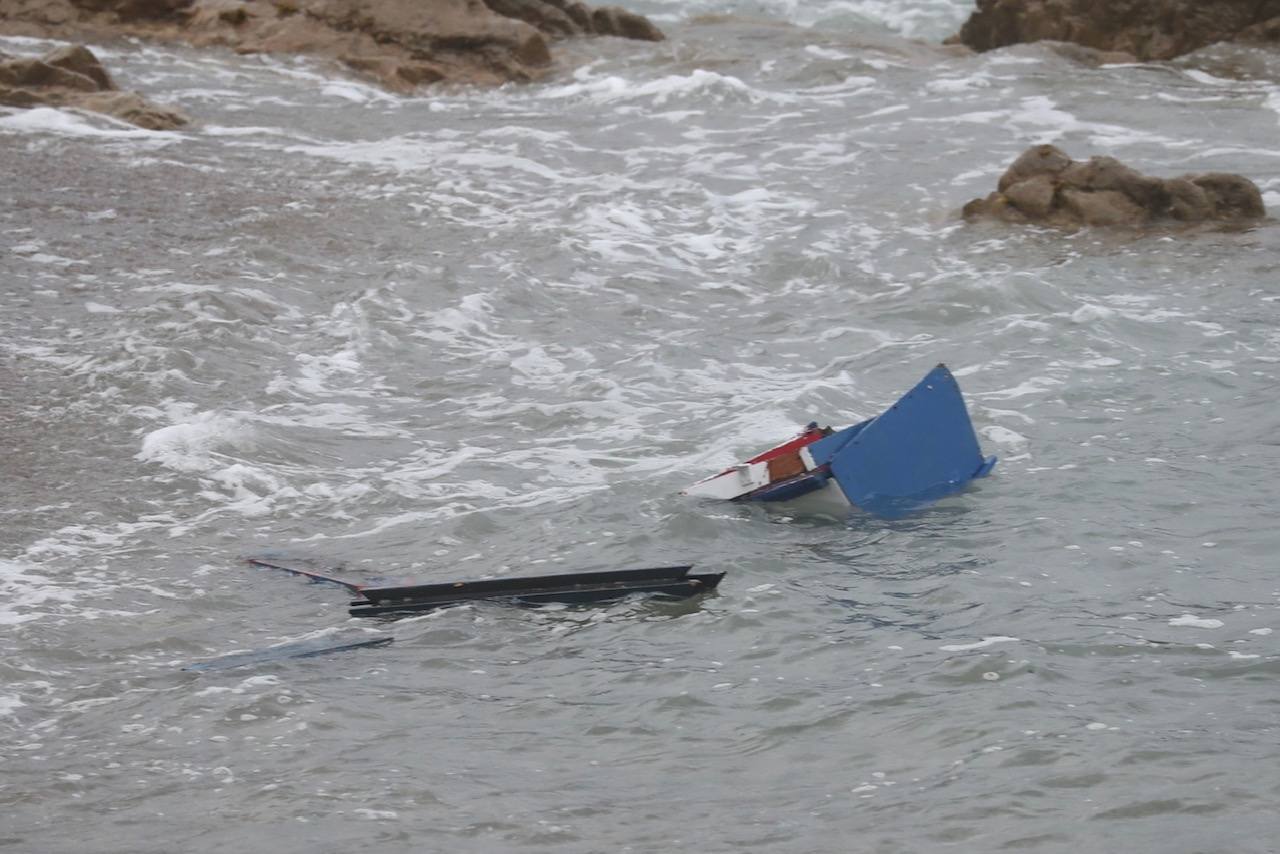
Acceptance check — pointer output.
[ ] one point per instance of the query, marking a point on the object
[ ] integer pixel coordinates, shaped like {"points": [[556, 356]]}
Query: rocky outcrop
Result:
{"points": [[71, 76], [1144, 29], [1046, 186], [401, 43]]}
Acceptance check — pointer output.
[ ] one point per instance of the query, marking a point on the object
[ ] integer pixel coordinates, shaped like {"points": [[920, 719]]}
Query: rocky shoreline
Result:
{"points": [[1143, 30], [401, 44]]}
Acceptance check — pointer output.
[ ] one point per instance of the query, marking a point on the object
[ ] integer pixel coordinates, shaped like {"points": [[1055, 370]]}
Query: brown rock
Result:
{"points": [[1102, 207], [71, 76], [1034, 196], [1034, 161], [994, 206], [1146, 29], [1187, 202], [547, 17], [80, 59], [1107, 173], [38, 74], [395, 41], [1043, 185], [577, 12], [1233, 196], [133, 108], [612, 21]]}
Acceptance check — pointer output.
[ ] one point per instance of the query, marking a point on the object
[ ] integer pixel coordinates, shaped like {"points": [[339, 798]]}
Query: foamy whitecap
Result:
{"points": [[1192, 621], [191, 443], [76, 123], [985, 642]]}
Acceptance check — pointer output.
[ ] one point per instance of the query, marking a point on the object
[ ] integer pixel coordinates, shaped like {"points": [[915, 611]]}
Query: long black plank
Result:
{"points": [[569, 589], [512, 586]]}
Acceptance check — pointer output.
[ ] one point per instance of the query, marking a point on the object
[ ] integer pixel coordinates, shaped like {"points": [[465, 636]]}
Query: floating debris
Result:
{"points": [[919, 450], [575, 588], [299, 649]]}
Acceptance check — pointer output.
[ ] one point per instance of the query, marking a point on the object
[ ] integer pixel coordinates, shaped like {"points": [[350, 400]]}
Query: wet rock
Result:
{"points": [[1150, 30], [612, 21], [1232, 196], [1044, 185], [1102, 207], [80, 59], [1034, 196], [72, 76], [1040, 159], [401, 43]]}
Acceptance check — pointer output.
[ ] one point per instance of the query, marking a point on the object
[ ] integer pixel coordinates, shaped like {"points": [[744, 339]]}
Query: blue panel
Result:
{"points": [[919, 450], [827, 447]]}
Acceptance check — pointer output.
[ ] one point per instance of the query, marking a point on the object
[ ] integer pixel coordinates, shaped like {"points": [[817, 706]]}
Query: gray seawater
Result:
{"points": [[477, 333]]}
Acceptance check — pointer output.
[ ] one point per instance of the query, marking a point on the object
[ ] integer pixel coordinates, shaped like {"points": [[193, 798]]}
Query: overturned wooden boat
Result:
{"points": [[576, 588], [919, 450]]}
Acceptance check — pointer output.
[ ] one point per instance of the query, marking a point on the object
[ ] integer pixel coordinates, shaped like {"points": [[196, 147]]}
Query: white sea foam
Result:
{"points": [[985, 642], [9, 704], [192, 442], [1195, 622], [75, 123]]}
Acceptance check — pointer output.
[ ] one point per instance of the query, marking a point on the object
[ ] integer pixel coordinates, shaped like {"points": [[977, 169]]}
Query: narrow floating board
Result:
{"points": [[299, 649], [572, 588]]}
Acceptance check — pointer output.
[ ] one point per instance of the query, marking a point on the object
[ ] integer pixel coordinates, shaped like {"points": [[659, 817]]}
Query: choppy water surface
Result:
{"points": [[488, 332]]}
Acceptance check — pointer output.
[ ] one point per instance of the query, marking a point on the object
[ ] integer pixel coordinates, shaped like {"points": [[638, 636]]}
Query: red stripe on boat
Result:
{"points": [[808, 437]]}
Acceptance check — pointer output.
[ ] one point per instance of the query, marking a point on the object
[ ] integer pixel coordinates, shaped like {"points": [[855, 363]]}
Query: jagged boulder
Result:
{"points": [[72, 76], [401, 43], [1145, 29], [1046, 186]]}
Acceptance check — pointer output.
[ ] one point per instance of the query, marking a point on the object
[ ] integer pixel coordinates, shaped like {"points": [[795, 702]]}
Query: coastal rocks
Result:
{"points": [[72, 76], [564, 18], [1143, 29], [1046, 186], [400, 43]]}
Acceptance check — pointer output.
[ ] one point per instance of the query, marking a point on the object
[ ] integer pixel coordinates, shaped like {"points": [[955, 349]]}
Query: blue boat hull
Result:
{"points": [[919, 450]]}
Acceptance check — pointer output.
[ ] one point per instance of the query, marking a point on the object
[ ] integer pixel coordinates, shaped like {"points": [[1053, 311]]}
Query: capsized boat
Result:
{"points": [[919, 450]]}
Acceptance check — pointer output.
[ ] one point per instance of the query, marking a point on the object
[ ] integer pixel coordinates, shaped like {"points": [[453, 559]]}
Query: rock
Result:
{"points": [[1034, 161], [1232, 196], [612, 21], [546, 17], [1045, 186], [1033, 197], [400, 43], [133, 108], [1150, 30], [80, 59], [71, 76], [38, 74], [1102, 207], [1107, 173], [1187, 202]]}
